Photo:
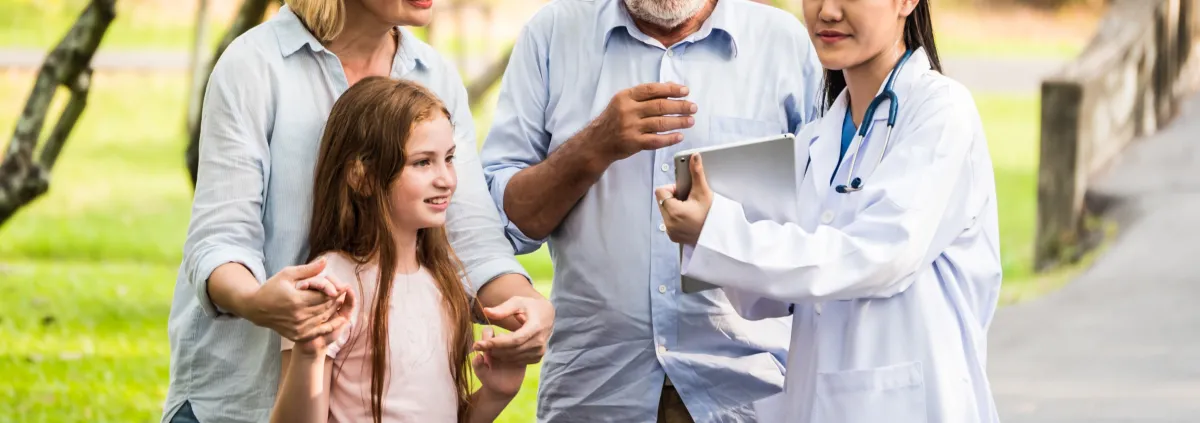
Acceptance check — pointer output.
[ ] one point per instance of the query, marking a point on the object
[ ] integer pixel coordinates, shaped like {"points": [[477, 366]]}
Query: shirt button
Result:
{"points": [[662, 349], [665, 167], [817, 307], [662, 227], [827, 217], [670, 53], [662, 289]]}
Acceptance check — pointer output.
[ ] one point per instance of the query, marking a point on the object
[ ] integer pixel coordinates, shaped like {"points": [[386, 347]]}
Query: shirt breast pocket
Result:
{"points": [[894, 393], [728, 129]]}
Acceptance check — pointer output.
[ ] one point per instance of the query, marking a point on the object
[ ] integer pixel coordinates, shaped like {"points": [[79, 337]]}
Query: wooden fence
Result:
{"points": [[1126, 84]]}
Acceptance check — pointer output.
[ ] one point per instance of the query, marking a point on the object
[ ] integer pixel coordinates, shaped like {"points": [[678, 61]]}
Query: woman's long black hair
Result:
{"points": [[918, 32]]}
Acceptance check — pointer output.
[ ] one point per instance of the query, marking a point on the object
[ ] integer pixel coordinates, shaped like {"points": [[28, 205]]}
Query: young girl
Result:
{"points": [[891, 266], [383, 181]]}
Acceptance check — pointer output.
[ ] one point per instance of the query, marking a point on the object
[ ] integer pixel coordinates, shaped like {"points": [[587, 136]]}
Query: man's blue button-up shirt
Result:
{"points": [[622, 321]]}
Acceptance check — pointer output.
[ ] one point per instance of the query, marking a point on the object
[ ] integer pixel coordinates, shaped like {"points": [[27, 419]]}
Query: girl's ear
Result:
{"points": [[907, 7], [356, 176]]}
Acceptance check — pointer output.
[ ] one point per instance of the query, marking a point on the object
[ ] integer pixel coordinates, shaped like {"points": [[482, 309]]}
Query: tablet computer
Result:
{"points": [[758, 173]]}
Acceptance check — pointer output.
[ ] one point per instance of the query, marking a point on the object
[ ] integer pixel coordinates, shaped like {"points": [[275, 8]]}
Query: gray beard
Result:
{"points": [[664, 13]]}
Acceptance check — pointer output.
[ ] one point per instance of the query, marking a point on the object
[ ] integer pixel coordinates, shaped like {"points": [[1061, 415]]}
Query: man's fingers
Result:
{"points": [[504, 341], [657, 141], [502, 311], [663, 107], [657, 90], [654, 125], [523, 356]]}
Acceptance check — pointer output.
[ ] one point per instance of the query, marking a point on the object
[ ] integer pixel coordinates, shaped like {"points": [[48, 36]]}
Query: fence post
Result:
{"points": [[1060, 201]]}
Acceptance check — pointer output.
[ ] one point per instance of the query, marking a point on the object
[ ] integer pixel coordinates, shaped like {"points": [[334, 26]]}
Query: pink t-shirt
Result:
{"points": [[421, 387]]}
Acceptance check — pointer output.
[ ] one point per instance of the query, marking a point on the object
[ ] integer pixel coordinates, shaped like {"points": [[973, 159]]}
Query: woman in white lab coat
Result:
{"points": [[892, 287]]}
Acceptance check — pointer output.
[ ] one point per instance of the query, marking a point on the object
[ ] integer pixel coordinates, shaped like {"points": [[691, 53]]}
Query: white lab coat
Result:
{"points": [[894, 286]]}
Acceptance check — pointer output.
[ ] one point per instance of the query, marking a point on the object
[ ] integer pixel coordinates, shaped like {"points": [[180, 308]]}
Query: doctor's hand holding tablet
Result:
{"points": [[888, 256]]}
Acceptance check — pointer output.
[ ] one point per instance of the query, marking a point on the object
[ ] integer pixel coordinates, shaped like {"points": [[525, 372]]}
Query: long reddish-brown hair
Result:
{"points": [[362, 153]]}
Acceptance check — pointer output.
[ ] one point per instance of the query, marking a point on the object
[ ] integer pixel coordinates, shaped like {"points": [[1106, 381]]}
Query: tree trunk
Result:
{"points": [[478, 88], [21, 178], [248, 16], [199, 62]]}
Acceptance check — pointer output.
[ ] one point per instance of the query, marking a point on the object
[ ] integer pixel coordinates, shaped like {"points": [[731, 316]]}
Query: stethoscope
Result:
{"points": [[854, 183]]}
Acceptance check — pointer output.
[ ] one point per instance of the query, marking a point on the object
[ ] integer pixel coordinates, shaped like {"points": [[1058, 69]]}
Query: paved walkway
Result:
{"points": [[1122, 342]]}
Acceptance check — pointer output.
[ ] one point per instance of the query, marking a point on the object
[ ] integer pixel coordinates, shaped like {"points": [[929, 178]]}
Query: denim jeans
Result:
{"points": [[185, 414]]}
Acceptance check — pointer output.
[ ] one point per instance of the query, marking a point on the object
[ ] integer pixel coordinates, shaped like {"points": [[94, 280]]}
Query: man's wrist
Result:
{"points": [[588, 153]]}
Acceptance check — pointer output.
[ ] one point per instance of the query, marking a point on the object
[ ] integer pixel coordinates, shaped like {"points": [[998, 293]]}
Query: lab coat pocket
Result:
{"points": [[894, 393]]}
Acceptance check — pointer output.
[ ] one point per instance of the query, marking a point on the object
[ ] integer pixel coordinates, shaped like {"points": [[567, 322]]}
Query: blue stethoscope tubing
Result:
{"points": [[855, 183]]}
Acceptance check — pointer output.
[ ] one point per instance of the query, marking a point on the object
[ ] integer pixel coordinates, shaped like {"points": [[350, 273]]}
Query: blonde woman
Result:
{"points": [[243, 278]]}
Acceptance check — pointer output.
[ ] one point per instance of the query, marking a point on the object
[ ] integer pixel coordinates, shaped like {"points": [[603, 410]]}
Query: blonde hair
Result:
{"points": [[324, 18]]}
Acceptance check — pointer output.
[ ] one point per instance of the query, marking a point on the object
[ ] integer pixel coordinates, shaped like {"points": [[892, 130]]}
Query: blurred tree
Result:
{"points": [[251, 13], [22, 179], [479, 87], [200, 69]]}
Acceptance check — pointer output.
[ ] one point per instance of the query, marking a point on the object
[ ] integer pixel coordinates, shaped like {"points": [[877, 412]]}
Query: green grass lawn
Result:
{"points": [[88, 270]]}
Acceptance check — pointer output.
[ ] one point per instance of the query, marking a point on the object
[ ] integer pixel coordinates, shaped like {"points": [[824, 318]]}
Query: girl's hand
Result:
{"points": [[502, 379], [339, 321], [685, 219]]}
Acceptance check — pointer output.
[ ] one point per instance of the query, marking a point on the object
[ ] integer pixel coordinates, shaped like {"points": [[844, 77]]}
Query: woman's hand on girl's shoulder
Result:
{"points": [[500, 378]]}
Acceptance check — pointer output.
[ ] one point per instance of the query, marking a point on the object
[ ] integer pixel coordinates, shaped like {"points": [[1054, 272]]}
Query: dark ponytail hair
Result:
{"points": [[918, 32]]}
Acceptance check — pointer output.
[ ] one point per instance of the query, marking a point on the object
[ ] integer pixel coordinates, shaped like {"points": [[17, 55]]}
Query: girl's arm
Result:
{"points": [[303, 388], [486, 405], [501, 381], [307, 368]]}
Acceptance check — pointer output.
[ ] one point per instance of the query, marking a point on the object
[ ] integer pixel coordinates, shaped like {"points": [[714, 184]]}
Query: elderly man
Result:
{"points": [[598, 96]]}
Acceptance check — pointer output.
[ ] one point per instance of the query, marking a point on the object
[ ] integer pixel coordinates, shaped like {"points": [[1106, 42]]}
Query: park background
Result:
{"points": [[87, 270]]}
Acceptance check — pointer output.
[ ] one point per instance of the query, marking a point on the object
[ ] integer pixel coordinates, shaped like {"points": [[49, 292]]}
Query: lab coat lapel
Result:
{"points": [[824, 147], [917, 65]]}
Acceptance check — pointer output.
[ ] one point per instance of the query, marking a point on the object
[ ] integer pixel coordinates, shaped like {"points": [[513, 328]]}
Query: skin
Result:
{"points": [[366, 47], [420, 196], [538, 198], [669, 21], [862, 38]]}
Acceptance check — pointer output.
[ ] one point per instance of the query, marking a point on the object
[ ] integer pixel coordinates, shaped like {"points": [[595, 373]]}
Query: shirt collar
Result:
{"points": [[613, 15], [293, 35]]}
